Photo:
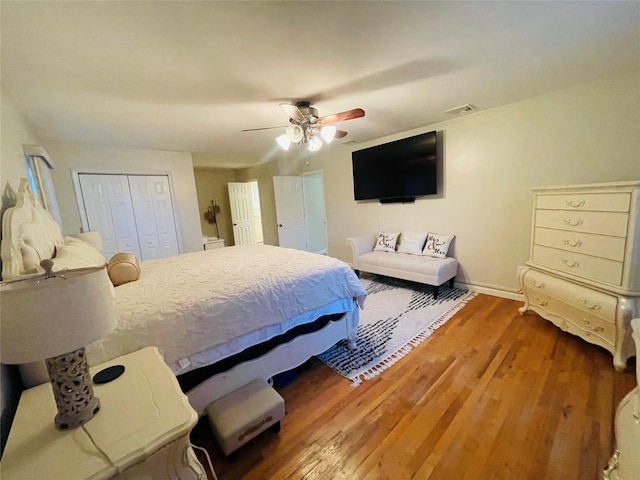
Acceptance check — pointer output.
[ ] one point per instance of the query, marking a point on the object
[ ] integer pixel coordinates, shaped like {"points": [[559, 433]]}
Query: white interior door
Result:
{"points": [[257, 211], [314, 212], [244, 232], [153, 210], [290, 212], [109, 210]]}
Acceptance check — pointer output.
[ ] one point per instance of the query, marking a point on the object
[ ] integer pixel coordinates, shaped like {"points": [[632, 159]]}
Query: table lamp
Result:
{"points": [[52, 317]]}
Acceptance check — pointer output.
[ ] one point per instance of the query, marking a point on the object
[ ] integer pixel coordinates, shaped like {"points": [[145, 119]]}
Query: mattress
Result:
{"points": [[201, 307]]}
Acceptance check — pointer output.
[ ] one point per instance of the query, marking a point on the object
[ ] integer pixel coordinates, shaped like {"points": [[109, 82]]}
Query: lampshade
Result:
{"points": [[328, 133], [315, 144], [45, 317], [294, 133], [283, 141], [52, 317]]}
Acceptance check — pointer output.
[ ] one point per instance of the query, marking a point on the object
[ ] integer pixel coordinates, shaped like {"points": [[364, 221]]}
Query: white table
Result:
{"points": [[141, 432], [212, 242]]}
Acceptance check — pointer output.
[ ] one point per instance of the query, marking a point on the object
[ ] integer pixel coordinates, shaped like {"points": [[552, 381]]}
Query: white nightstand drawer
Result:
{"points": [[599, 269], [605, 223], [599, 202], [587, 300], [586, 243]]}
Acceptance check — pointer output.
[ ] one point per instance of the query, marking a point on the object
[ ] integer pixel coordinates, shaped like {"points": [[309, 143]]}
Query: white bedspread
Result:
{"points": [[204, 306]]}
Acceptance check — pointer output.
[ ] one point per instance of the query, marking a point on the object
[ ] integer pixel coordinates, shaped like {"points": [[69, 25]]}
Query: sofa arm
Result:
{"points": [[360, 245]]}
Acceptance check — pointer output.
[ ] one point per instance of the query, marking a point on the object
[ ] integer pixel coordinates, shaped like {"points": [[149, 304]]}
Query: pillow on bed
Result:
{"points": [[386, 242], [412, 243], [123, 268], [37, 242], [437, 245], [75, 253], [30, 259]]}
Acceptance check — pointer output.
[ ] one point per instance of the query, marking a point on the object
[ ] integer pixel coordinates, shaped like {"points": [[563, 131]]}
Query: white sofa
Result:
{"points": [[416, 268]]}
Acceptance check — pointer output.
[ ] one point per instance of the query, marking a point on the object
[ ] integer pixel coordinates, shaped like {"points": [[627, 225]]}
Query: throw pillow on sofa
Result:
{"points": [[386, 242], [412, 243], [437, 245]]}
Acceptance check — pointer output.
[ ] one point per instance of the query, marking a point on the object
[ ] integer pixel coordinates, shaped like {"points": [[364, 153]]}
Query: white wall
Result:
{"points": [[14, 132], [585, 134], [88, 158]]}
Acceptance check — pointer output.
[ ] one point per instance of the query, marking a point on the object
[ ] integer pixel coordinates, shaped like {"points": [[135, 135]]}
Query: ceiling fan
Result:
{"points": [[306, 127]]}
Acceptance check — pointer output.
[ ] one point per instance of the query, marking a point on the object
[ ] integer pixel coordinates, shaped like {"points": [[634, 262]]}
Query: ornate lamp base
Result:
{"points": [[72, 388]]}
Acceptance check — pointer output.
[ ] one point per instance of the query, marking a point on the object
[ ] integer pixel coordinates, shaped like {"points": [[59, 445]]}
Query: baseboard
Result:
{"points": [[493, 291], [486, 289]]}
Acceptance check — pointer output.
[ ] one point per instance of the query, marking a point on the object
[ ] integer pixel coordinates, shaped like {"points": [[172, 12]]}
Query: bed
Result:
{"points": [[202, 308]]}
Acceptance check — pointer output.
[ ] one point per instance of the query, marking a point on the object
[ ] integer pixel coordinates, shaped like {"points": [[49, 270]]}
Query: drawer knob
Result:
{"points": [[596, 329], [536, 284], [570, 264], [542, 303], [593, 306], [572, 204], [571, 244], [573, 223]]}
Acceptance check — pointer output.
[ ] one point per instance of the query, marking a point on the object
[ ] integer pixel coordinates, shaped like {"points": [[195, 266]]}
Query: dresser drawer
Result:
{"points": [[598, 202], [606, 223], [591, 302], [586, 243], [599, 269], [577, 321]]}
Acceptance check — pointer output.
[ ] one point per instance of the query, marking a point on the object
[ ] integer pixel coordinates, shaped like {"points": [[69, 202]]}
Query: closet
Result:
{"points": [[133, 213]]}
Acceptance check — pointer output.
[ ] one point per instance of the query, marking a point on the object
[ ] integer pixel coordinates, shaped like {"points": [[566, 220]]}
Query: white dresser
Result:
{"points": [[625, 462], [584, 269]]}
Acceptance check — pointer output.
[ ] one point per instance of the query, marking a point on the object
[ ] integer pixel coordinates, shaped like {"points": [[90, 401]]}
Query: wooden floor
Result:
{"points": [[490, 395]]}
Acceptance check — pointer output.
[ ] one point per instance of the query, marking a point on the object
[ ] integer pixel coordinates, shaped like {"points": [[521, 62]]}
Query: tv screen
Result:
{"points": [[397, 171]]}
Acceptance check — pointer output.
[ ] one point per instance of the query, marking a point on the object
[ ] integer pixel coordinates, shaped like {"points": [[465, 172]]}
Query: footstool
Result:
{"points": [[243, 414]]}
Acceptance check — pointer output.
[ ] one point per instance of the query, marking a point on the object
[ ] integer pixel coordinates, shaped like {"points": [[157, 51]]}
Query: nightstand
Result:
{"points": [[141, 432], [213, 242]]}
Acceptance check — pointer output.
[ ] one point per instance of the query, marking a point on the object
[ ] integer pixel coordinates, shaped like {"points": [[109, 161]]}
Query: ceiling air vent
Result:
{"points": [[461, 109]]}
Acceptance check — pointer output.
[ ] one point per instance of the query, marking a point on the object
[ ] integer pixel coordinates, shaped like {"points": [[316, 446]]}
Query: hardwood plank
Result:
{"points": [[491, 394]]}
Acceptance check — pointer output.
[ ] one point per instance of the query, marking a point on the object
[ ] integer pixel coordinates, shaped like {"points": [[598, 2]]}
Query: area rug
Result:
{"points": [[397, 316]]}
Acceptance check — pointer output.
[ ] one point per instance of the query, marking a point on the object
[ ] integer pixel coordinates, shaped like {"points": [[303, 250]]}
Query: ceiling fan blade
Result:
{"points": [[293, 112], [340, 134], [342, 116], [263, 128]]}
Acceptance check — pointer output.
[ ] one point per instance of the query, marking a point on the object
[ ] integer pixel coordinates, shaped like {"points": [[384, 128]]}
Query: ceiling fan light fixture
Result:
{"points": [[284, 142], [294, 133], [328, 132], [315, 144]]}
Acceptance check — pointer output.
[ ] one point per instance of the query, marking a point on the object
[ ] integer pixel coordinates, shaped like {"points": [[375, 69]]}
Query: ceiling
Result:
{"points": [[190, 75]]}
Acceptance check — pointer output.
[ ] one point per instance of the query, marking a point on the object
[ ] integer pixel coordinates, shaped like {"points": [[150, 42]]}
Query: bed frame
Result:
{"points": [[282, 358]]}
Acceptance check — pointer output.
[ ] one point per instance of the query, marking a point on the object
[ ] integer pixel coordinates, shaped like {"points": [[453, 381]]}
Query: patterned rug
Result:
{"points": [[397, 316]]}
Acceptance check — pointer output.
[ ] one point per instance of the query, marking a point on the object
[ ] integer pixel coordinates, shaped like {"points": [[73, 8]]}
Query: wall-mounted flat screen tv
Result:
{"points": [[397, 171]]}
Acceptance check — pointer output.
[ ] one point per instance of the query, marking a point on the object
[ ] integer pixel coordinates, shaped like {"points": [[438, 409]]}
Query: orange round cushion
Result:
{"points": [[123, 268]]}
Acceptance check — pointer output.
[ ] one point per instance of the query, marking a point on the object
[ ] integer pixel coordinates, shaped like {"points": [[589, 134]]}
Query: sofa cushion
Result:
{"points": [[437, 245], [409, 263], [412, 242], [386, 242]]}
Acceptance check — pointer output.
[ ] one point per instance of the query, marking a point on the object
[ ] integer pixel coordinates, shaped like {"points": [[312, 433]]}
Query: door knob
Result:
{"points": [[280, 225], [235, 224]]}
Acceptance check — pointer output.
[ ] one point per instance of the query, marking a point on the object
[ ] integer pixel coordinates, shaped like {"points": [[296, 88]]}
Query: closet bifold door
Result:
{"points": [[109, 210], [134, 214], [153, 210]]}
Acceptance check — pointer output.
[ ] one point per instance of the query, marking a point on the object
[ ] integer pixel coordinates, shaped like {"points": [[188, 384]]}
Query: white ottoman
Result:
{"points": [[242, 415]]}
